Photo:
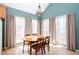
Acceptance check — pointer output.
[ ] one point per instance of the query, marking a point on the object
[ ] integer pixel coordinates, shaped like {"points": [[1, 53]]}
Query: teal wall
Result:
{"points": [[16, 12], [58, 9]]}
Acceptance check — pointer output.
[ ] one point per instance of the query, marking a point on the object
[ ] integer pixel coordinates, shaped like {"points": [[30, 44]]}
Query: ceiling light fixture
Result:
{"points": [[39, 11]]}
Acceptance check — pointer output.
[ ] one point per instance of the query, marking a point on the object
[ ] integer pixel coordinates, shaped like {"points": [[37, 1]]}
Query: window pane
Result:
{"points": [[20, 28], [34, 26], [46, 27], [61, 30]]}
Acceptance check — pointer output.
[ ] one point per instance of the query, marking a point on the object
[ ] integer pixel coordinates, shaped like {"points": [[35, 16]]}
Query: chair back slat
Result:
{"points": [[38, 45], [47, 38], [27, 34]]}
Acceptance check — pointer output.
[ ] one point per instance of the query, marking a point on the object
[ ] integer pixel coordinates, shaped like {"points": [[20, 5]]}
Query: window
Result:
{"points": [[20, 28], [45, 27], [34, 26], [61, 30]]}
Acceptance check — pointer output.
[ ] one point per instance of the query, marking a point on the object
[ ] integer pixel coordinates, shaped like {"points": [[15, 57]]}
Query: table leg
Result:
{"points": [[30, 50], [23, 46]]}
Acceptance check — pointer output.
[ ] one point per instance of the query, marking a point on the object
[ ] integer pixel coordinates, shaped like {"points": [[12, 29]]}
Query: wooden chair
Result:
{"points": [[26, 43], [47, 41], [34, 34], [37, 46], [27, 34]]}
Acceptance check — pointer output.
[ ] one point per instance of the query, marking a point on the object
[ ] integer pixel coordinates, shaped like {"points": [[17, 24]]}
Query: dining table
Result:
{"points": [[30, 39]]}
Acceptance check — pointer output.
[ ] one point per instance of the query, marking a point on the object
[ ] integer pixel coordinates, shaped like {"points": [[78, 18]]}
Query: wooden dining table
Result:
{"points": [[30, 39]]}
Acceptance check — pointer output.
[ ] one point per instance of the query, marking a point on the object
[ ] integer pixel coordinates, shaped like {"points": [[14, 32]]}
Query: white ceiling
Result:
{"points": [[28, 7]]}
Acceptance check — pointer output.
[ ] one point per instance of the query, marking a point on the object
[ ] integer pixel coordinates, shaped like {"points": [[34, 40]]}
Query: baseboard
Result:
{"points": [[77, 50]]}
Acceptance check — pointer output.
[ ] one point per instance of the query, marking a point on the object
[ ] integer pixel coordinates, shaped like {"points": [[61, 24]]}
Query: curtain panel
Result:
{"points": [[28, 26], [52, 29], [11, 31], [39, 27], [71, 32]]}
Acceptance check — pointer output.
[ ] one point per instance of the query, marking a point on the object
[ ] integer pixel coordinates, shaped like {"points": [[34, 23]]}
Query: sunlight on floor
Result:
{"points": [[54, 50]]}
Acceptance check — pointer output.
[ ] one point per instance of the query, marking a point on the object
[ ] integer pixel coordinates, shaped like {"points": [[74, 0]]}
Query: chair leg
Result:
{"points": [[30, 50], [23, 46], [35, 52], [48, 47], [44, 51]]}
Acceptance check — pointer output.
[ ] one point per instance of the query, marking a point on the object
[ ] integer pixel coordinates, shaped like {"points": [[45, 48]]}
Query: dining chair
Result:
{"points": [[37, 46], [27, 34], [26, 43], [47, 38], [34, 34]]}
